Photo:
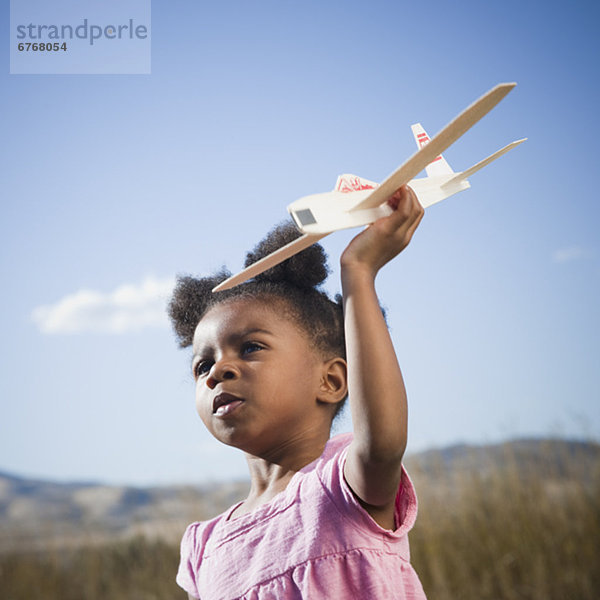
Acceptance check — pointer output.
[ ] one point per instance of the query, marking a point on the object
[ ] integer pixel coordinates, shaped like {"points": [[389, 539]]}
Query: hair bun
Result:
{"points": [[307, 269]]}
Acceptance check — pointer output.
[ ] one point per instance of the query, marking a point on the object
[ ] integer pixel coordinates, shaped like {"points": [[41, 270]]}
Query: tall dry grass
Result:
{"points": [[138, 569], [525, 528], [517, 528]]}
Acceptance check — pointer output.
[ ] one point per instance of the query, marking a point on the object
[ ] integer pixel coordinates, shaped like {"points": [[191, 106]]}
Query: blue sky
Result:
{"points": [[112, 184]]}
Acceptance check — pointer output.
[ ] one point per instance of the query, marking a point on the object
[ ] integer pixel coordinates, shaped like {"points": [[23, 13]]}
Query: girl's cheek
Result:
{"points": [[200, 409]]}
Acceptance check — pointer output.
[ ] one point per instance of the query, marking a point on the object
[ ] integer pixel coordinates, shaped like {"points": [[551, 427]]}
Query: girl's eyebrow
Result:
{"points": [[250, 331], [234, 337]]}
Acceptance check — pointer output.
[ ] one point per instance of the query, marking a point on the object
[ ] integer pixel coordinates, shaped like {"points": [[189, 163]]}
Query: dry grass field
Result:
{"points": [[520, 527], [526, 528]]}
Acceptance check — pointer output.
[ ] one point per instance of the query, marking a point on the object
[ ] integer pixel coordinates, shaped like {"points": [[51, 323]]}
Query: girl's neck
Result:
{"points": [[271, 473]]}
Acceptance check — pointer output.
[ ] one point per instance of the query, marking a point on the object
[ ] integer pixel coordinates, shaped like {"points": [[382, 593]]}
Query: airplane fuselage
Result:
{"points": [[329, 211]]}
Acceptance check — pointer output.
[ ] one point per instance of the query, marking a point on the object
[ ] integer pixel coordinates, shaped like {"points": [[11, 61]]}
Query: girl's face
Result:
{"points": [[257, 377]]}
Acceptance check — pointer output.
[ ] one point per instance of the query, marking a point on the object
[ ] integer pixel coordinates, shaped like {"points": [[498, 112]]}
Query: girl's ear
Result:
{"points": [[334, 381]]}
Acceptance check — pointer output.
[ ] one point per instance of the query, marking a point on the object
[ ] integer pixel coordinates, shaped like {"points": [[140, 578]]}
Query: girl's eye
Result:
{"points": [[202, 367], [249, 347]]}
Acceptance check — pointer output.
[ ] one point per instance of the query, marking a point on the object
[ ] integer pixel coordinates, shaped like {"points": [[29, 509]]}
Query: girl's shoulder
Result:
{"points": [[335, 446], [196, 534], [192, 549]]}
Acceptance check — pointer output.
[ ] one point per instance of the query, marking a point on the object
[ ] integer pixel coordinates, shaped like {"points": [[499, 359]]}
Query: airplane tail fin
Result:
{"points": [[438, 166], [482, 163]]}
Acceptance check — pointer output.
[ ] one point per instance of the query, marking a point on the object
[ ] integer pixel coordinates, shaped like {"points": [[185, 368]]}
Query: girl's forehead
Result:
{"points": [[245, 314]]}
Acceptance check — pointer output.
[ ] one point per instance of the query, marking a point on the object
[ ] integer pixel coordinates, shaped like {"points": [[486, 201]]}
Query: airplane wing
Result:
{"points": [[429, 152], [299, 244]]}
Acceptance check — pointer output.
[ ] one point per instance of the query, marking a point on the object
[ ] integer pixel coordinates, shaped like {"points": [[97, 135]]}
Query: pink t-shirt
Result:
{"points": [[312, 541]]}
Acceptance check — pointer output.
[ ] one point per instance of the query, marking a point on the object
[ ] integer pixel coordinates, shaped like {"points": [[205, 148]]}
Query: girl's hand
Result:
{"points": [[385, 238]]}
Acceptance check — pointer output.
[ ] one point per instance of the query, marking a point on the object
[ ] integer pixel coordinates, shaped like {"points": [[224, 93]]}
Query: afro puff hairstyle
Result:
{"points": [[296, 282]]}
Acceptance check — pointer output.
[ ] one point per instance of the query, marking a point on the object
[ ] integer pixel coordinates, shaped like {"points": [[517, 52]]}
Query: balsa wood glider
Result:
{"points": [[356, 201]]}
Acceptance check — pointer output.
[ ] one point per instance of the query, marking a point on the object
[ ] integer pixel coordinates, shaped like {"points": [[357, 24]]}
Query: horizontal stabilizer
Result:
{"points": [[482, 163], [260, 266]]}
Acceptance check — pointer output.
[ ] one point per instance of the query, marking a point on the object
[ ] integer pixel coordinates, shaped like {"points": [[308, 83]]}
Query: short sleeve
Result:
{"points": [[331, 474], [185, 573], [405, 513]]}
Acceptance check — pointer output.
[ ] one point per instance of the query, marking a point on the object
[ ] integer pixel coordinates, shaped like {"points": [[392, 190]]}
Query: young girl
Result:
{"points": [[273, 361]]}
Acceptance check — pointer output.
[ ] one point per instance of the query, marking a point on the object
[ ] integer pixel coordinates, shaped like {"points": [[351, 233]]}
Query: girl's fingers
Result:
{"points": [[413, 226], [417, 211], [407, 214], [384, 239]]}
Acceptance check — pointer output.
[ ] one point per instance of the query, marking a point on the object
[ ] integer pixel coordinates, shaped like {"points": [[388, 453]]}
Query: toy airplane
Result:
{"points": [[356, 201]]}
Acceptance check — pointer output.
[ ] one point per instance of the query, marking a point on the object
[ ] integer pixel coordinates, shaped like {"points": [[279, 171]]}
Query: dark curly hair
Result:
{"points": [[295, 282]]}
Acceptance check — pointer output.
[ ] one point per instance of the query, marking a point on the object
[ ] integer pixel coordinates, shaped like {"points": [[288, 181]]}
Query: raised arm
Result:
{"points": [[375, 385]]}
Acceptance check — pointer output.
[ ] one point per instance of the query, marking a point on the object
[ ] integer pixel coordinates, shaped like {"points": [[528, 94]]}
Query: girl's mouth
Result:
{"points": [[224, 404]]}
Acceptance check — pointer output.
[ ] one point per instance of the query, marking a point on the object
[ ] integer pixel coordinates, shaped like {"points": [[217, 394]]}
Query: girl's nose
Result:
{"points": [[221, 371]]}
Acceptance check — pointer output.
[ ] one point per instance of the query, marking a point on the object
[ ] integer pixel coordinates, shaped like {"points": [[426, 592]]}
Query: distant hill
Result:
{"points": [[560, 456], [555, 461], [35, 513], [38, 514]]}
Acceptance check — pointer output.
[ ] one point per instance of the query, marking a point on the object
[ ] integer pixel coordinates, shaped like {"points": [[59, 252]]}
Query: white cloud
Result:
{"points": [[569, 254], [130, 307]]}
